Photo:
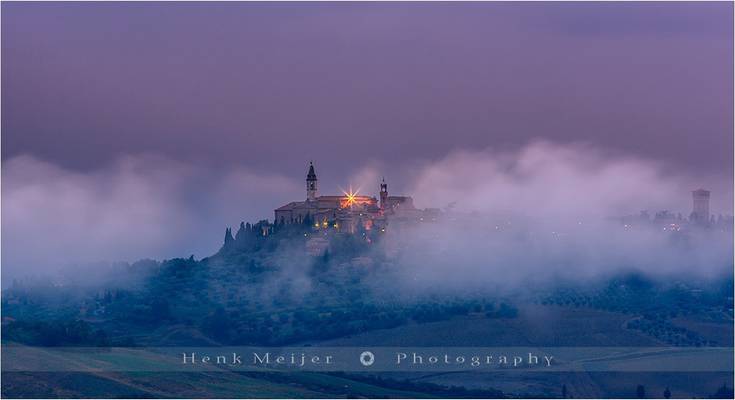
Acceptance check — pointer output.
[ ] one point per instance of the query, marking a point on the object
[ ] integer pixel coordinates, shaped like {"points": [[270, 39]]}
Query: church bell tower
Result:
{"points": [[311, 183], [383, 194]]}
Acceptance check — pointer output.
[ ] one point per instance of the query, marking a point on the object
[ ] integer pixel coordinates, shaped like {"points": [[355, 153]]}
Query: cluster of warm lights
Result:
{"points": [[325, 225]]}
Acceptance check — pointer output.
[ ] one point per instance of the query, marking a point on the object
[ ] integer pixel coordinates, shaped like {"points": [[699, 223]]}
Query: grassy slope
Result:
{"points": [[535, 325], [545, 326], [220, 383]]}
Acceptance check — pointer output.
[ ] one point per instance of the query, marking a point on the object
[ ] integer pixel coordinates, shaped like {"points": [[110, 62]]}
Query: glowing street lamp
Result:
{"points": [[350, 197]]}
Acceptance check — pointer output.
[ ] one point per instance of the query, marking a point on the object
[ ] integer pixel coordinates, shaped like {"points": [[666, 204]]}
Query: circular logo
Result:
{"points": [[367, 358]]}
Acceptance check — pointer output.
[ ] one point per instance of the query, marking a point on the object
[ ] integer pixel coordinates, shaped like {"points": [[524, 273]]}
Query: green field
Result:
{"points": [[538, 325], [535, 325]]}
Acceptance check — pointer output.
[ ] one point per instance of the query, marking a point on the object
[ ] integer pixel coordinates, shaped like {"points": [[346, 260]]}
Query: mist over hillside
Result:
{"points": [[559, 198]]}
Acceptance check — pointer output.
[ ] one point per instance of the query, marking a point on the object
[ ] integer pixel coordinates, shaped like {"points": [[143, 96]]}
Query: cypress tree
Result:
{"points": [[228, 237]]}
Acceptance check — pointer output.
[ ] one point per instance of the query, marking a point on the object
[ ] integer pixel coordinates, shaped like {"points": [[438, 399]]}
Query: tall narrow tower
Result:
{"points": [[700, 207], [311, 183], [383, 195]]}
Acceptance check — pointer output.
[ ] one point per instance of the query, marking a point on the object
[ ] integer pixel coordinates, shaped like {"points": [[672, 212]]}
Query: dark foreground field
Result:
{"points": [[535, 325], [554, 326]]}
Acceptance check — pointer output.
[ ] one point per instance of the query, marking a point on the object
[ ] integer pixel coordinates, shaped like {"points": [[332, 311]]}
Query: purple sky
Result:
{"points": [[270, 86]]}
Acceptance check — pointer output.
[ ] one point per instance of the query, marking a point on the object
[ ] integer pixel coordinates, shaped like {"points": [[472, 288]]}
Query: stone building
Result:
{"points": [[348, 212], [700, 207]]}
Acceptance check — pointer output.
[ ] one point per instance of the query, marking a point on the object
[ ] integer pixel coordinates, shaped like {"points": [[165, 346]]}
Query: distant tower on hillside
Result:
{"points": [[700, 206], [311, 183], [383, 194]]}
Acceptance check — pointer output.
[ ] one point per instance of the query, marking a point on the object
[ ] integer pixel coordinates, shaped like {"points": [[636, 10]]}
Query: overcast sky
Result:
{"points": [[270, 86]]}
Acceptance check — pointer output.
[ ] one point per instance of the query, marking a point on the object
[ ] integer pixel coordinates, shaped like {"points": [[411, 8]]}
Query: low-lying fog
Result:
{"points": [[537, 213]]}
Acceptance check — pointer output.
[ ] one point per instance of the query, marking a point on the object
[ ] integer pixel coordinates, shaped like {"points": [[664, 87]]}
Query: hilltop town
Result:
{"points": [[319, 217], [349, 212]]}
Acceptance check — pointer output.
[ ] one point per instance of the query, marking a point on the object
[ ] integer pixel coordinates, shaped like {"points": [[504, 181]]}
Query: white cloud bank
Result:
{"points": [[137, 207], [146, 206]]}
